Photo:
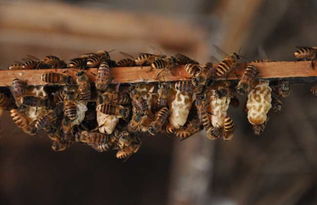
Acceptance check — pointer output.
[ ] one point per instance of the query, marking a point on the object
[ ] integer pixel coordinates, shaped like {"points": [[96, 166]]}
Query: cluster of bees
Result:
{"points": [[105, 116]]}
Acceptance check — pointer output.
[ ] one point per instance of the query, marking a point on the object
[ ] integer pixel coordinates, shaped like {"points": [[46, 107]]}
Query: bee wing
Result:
{"points": [[219, 51], [214, 60], [262, 53], [30, 57], [126, 54]]}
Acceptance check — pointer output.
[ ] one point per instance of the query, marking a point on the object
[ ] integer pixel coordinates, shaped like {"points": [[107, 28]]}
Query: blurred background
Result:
{"points": [[278, 167]]}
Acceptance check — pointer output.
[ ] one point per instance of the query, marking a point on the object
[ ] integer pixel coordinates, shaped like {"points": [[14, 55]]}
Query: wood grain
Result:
{"points": [[286, 69]]}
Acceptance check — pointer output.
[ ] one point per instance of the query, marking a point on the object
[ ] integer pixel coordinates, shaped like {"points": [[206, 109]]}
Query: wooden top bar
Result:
{"points": [[278, 69]]}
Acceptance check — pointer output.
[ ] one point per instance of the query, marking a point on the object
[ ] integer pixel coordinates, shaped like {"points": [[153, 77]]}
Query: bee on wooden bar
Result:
{"points": [[126, 62], [16, 66], [80, 63], [147, 58], [193, 69], [306, 53], [159, 121], [227, 65], [22, 121], [259, 104], [103, 78], [247, 80], [84, 87], [181, 104], [54, 62], [56, 78]]}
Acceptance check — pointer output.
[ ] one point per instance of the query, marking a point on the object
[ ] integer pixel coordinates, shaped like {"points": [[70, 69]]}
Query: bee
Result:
{"points": [[47, 122], [228, 128], [34, 101], [84, 88], [127, 145], [306, 53], [70, 110], [93, 137], [183, 60], [16, 66], [164, 93], [201, 79], [22, 121], [227, 65], [147, 58], [247, 80], [282, 88], [159, 121], [125, 62], [191, 127], [203, 115], [18, 90], [276, 103], [193, 69], [259, 103], [112, 96], [5, 101], [60, 145], [219, 98], [103, 78], [56, 78], [181, 104], [77, 63], [117, 110], [54, 62]]}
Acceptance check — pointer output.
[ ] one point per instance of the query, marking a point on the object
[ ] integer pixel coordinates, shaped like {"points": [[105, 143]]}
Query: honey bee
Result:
{"points": [[219, 98], [227, 65], [22, 121], [18, 89], [181, 104], [276, 103], [306, 53], [191, 127], [117, 110], [203, 115], [60, 145], [34, 101], [259, 104], [16, 66], [84, 87], [228, 128], [103, 78], [47, 122], [29, 63], [54, 62], [282, 88], [159, 121], [164, 93], [70, 110], [201, 79], [125, 62], [193, 69], [127, 145], [247, 80], [93, 137], [5, 102], [77, 63], [147, 58], [56, 78]]}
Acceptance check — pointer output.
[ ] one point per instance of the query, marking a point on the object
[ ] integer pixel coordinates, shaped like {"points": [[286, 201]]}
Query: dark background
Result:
{"points": [[278, 167]]}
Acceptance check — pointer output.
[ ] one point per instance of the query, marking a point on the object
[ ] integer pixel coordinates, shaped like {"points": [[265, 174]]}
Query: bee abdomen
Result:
{"points": [[94, 61], [183, 86], [101, 147], [4, 101], [54, 62], [193, 69], [19, 118], [124, 99], [56, 78], [228, 124], [162, 115], [16, 66], [70, 110], [77, 63], [46, 121], [247, 79], [305, 52], [159, 64], [103, 78], [30, 64], [126, 62], [223, 68]]}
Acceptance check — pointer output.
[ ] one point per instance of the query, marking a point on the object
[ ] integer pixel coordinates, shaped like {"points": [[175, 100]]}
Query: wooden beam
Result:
{"points": [[287, 69]]}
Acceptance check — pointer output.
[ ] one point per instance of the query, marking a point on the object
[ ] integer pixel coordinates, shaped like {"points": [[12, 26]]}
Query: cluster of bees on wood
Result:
{"points": [[105, 116]]}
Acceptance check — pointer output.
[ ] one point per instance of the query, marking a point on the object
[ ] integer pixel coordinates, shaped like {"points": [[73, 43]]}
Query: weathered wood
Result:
{"points": [[292, 69]]}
